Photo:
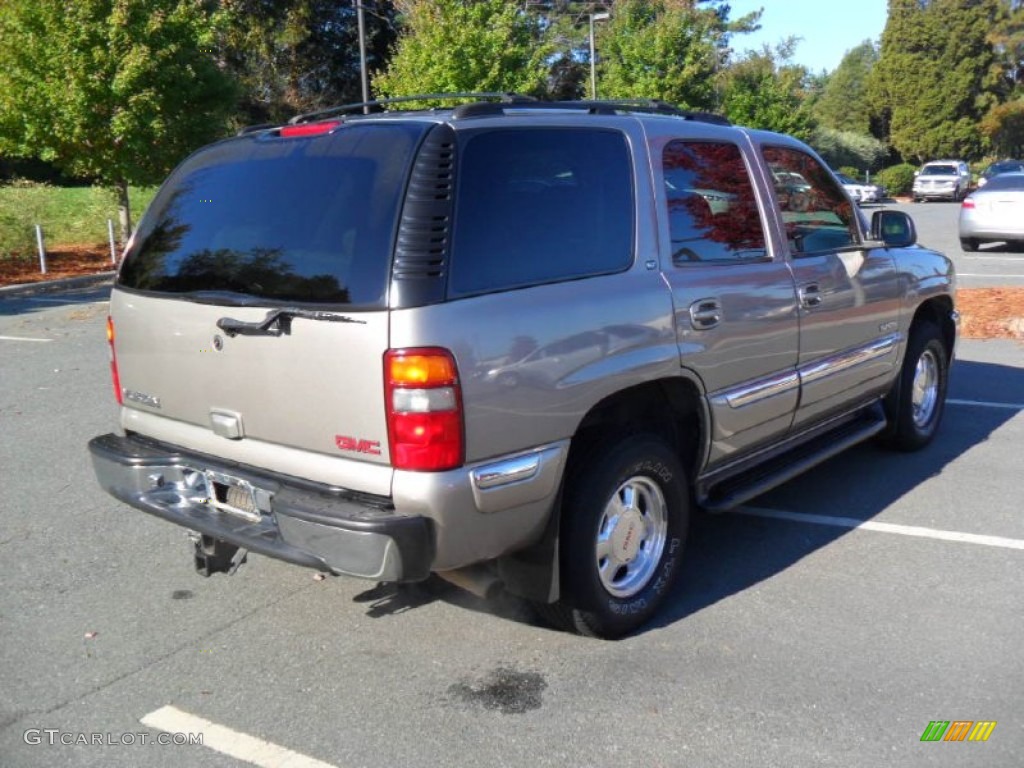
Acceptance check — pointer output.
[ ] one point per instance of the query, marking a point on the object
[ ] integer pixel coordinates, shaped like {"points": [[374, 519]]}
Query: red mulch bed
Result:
{"points": [[61, 261], [987, 313]]}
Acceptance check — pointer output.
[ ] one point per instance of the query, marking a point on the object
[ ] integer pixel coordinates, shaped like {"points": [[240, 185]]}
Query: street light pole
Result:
{"points": [[593, 58], [362, 54]]}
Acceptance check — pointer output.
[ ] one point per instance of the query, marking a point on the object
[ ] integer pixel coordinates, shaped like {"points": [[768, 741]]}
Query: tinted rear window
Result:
{"points": [[284, 220], [539, 205]]}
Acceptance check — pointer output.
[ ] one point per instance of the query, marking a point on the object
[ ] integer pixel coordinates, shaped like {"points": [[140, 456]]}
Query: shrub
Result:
{"points": [[897, 179], [845, 148], [21, 208]]}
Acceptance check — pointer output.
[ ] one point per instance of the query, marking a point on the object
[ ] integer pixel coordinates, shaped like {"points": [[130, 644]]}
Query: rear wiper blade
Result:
{"points": [[278, 322]]}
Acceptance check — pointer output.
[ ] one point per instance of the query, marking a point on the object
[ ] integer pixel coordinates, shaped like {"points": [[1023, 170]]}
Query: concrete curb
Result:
{"points": [[48, 286]]}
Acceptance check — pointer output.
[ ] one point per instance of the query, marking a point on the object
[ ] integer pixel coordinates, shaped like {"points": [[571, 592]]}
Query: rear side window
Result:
{"points": [[540, 205], [307, 220]]}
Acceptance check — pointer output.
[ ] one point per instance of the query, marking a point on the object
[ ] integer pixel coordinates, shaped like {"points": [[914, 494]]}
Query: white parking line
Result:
{"points": [[229, 742], [986, 274], [992, 258], [985, 404], [21, 338], [869, 525], [67, 301]]}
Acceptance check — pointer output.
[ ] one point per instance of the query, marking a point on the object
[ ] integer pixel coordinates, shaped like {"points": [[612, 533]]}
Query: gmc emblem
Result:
{"points": [[346, 443]]}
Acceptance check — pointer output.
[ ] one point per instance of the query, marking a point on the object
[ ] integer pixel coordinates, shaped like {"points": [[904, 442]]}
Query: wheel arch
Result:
{"points": [[641, 409], [939, 311], [674, 409]]}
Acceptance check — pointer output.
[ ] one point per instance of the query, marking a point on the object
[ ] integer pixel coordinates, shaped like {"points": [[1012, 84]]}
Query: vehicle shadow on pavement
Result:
{"points": [[391, 599], [24, 304], [729, 553]]}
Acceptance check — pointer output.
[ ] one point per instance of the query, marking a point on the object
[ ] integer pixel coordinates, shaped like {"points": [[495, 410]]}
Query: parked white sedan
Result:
{"points": [[994, 213], [861, 193]]}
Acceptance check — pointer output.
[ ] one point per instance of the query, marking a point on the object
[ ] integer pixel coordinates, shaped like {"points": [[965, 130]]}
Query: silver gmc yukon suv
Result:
{"points": [[508, 342]]}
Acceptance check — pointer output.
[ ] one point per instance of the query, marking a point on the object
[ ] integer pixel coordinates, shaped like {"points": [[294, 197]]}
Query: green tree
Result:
{"points": [[848, 148], [295, 56], [114, 90], [458, 46], [1003, 126], [660, 49], [765, 90], [842, 104], [934, 77], [1007, 39]]}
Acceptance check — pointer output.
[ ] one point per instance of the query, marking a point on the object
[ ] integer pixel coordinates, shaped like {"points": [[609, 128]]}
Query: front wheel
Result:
{"points": [[624, 523], [916, 403]]}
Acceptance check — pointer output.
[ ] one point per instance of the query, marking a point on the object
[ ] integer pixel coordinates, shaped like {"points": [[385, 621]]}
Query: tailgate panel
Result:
{"points": [[319, 388]]}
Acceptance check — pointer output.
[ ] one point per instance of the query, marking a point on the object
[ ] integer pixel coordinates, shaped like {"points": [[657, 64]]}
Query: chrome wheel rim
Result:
{"points": [[631, 536], [925, 390]]}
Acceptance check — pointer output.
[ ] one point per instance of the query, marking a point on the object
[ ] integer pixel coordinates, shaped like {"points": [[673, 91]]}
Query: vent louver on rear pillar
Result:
{"points": [[424, 232]]}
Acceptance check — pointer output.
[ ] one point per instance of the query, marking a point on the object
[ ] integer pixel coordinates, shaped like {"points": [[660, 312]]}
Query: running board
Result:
{"points": [[735, 489]]}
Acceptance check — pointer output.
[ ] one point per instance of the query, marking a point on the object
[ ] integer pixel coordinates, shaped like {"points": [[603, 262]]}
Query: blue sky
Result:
{"points": [[828, 28]]}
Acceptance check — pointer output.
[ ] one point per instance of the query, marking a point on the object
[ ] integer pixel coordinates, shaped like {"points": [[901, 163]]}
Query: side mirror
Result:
{"points": [[894, 228]]}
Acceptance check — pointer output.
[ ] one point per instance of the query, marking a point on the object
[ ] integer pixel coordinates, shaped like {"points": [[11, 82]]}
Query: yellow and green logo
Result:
{"points": [[958, 730]]}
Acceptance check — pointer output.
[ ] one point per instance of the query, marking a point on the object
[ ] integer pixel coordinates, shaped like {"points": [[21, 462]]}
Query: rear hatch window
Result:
{"points": [[263, 219]]}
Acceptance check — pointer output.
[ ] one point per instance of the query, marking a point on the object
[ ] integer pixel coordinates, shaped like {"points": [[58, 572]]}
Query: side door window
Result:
{"points": [[712, 211], [815, 213]]}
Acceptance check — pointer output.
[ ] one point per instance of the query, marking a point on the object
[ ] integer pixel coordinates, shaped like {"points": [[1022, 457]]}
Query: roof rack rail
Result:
{"points": [[591, 106], [255, 128], [379, 104]]}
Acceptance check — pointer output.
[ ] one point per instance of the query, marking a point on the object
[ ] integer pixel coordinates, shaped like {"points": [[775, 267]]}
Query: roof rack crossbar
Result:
{"points": [[591, 106], [380, 104]]}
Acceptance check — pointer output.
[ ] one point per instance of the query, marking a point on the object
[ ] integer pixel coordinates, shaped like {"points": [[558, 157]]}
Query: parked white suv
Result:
{"points": [[942, 180]]}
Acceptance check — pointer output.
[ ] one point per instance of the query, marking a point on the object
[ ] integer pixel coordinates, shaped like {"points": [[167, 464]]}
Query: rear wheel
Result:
{"points": [[624, 524], [915, 405], [969, 244]]}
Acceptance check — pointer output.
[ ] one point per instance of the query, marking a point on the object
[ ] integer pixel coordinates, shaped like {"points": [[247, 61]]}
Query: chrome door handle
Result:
{"points": [[810, 295], [705, 313]]}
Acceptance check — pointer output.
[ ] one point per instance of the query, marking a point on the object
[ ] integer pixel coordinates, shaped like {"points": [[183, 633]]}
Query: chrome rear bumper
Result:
{"points": [[281, 517]]}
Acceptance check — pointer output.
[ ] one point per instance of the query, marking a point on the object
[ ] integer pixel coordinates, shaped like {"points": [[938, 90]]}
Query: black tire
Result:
{"points": [[918, 398], [608, 596], [969, 244]]}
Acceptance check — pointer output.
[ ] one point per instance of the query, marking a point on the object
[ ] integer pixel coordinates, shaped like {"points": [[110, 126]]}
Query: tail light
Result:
{"points": [[424, 408], [113, 362], [967, 203]]}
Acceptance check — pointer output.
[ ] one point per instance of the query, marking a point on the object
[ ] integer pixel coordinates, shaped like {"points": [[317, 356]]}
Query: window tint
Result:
{"points": [[288, 220], [536, 206], [815, 212], [712, 212]]}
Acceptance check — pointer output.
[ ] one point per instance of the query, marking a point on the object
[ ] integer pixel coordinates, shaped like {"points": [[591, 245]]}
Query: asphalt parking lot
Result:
{"points": [[827, 623]]}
